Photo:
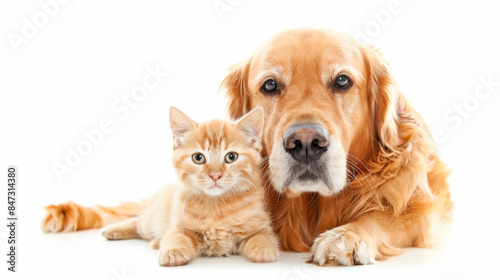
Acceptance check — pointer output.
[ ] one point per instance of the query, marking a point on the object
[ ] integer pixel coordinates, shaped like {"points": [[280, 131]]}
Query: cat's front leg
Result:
{"points": [[261, 247], [122, 230], [177, 248]]}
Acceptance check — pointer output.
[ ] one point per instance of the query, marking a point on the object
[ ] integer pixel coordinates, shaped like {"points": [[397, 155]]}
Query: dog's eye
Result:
{"points": [[270, 86], [342, 81]]}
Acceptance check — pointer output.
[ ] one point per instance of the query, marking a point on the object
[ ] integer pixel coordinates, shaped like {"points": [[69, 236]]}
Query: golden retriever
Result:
{"points": [[351, 170]]}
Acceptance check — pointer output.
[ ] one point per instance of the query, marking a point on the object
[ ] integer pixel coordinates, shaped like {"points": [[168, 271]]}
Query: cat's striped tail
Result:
{"points": [[69, 216]]}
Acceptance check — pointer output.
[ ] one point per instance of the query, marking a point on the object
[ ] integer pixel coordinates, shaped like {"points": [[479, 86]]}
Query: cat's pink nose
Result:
{"points": [[215, 177]]}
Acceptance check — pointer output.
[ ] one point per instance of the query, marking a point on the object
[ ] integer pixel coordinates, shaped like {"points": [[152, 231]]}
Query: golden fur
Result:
{"points": [[402, 195], [399, 198]]}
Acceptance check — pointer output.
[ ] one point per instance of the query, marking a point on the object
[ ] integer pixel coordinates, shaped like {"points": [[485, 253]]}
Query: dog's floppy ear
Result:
{"points": [[401, 136], [235, 85], [394, 119]]}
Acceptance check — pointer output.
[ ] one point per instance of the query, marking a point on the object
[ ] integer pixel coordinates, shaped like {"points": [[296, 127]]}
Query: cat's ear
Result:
{"points": [[180, 125], [252, 125]]}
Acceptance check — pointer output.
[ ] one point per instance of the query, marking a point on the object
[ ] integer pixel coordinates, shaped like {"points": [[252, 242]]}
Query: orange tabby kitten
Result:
{"points": [[216, 208]]}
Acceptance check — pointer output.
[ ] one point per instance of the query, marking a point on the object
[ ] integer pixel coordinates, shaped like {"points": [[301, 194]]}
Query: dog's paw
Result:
{"points": [[174, 257], [340, 247]]}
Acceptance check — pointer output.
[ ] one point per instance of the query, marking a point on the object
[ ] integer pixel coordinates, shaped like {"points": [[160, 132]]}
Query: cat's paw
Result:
{"points": [[340, 247], [174, 257], [261, 249], [155, 243], [263, 254], [123, 230], [112, 233]]}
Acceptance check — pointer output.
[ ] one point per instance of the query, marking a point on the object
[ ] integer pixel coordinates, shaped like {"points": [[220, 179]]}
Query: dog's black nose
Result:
{"points": [[305, 142]]}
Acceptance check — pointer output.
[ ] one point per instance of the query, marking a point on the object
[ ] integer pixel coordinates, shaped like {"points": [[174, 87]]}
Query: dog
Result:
{"points": [[351, 171]]}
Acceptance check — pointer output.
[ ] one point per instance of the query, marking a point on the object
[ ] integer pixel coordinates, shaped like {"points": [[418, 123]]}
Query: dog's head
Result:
{"points": [[329, 101]]}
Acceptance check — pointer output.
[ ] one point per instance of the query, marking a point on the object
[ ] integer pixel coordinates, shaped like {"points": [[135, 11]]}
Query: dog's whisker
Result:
{"points": [[361, 164], [360, 171]]}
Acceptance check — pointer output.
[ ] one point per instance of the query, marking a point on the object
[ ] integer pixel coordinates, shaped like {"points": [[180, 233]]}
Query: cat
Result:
{"points": [[216, 208]]}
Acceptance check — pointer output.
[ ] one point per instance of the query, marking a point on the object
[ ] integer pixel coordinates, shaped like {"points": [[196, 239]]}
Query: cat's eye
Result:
{"points": [[231, 157], [270, 87], [198, 158]]}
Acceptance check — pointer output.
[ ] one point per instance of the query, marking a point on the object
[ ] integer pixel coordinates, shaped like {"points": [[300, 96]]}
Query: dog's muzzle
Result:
{"points": [[306, 142]]}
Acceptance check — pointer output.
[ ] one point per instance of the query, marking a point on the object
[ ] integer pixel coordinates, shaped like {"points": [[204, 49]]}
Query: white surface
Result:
{"points": [[86, 255], [66, 78]]}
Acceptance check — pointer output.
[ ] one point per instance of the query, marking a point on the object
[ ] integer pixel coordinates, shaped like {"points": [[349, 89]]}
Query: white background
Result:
{"points": [[67, 75]]}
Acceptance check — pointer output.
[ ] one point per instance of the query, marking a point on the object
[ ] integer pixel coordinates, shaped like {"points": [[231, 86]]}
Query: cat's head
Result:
{"points": [[217, 157]]}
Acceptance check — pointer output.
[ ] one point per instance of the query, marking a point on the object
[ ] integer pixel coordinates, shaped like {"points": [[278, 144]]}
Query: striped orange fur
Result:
{"points": [[70, 216], [198, 215]]}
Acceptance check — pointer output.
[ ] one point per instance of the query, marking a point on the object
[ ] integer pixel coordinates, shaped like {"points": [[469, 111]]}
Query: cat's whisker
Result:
{"points": [[268, 186], [264, 160], [264, 175], [267, 182]]}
